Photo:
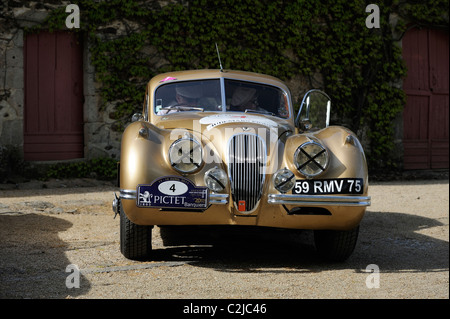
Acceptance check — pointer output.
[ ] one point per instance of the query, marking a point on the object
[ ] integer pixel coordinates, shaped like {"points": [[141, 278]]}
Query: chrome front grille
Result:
{"points": [[246, 168]]}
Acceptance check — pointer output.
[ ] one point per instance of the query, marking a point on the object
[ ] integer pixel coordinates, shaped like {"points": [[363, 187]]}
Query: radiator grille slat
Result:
{"points": [[247, 157]]}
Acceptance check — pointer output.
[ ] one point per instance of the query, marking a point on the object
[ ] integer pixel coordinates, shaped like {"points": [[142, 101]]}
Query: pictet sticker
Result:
{"points": [[172, 192]]}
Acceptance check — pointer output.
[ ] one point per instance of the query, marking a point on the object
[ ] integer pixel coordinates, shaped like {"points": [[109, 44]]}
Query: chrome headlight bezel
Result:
{"points": [[311, 159], [186, 155]]}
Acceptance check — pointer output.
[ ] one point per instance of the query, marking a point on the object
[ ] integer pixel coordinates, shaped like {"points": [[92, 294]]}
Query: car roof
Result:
{"points": [[214, 74]]}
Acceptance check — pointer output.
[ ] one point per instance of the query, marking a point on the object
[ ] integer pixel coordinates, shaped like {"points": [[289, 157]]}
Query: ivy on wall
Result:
{"points": [[326, 42]]}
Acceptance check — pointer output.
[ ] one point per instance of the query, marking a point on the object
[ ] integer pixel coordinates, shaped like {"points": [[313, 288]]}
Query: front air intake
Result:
{"points": [[246, 168]]}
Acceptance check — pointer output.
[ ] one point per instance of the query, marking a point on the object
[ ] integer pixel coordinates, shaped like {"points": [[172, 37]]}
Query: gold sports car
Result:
{"points": [[219, 147]]}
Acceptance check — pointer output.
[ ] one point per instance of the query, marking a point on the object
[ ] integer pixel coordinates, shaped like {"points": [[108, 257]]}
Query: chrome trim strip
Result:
{"points": [[127, 194], [223, 96], [216, 199], [318, 200]]}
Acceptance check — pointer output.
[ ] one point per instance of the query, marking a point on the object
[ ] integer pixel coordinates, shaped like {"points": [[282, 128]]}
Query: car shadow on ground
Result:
{"points": [[390, 240], [33, 262], [232, 248]]}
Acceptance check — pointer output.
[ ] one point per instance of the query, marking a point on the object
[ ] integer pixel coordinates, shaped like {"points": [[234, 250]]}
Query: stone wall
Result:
{"points": [[11, 77]]}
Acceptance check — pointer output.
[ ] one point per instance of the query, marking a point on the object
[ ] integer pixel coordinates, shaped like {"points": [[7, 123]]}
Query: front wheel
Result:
{"points": [[336, 245], [135, 240]]}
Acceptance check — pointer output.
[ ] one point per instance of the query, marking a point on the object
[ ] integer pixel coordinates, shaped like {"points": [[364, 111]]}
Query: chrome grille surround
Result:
{"points": [[247, 157]]}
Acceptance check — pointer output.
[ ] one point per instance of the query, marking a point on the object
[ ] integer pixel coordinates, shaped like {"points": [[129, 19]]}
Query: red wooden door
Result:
{"points": [[426, 116], [53, 113]]}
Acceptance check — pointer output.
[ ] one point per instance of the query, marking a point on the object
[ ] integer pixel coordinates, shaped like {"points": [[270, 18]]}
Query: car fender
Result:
{"points": [[346, 155]]}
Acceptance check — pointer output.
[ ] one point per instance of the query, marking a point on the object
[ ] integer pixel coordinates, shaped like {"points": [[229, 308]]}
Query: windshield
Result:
{"points": [[205, 96]]}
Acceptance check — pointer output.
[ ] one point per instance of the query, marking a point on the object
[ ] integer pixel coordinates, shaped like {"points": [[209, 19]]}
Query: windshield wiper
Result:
{"points": [[183, 108], [259, 112]]}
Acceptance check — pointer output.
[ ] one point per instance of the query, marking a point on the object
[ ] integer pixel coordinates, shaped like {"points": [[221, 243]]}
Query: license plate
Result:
{"points": [[329, 186], [174, 192]]}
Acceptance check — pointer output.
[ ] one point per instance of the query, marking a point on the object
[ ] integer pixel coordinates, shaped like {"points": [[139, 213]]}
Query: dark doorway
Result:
{"points": [[53, 113], [425, 117]]}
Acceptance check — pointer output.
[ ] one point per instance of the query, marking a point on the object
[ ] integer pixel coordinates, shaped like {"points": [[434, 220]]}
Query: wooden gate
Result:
{"points": [[53, 112], [425, 117]]}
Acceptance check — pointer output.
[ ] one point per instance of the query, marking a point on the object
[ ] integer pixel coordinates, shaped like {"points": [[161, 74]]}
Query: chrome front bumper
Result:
{"points": [[318, 200], [280, 199]]}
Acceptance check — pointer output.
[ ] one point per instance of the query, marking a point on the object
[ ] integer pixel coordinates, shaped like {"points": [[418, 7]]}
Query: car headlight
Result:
{"points": [[284, 180], [216, 179], [186, 155], [311, 159]]}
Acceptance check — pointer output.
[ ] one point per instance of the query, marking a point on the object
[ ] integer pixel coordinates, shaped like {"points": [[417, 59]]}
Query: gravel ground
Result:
{"points": [[48, 227]]}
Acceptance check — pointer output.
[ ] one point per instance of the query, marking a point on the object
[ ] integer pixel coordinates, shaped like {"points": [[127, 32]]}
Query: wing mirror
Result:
{"points": [[314, 111]]}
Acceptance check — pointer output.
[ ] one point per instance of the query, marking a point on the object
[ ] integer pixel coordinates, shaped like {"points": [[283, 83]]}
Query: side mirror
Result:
{"points": [[305, 125], [314, 111], [137, 117]]}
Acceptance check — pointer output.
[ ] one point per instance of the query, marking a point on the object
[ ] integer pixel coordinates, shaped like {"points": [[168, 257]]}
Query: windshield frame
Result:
{"points": [[285, 94]]}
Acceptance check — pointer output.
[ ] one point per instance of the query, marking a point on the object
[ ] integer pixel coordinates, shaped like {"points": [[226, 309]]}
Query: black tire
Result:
{"points": [[336, 245], [135, 240]]}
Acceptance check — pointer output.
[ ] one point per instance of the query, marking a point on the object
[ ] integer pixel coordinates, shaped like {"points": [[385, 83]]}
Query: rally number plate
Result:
{"points": [[329, 186], [172, 192]]}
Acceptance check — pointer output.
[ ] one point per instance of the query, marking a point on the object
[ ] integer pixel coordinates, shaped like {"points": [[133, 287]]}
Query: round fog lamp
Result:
{"points": [[216, 179], [284, 180]]}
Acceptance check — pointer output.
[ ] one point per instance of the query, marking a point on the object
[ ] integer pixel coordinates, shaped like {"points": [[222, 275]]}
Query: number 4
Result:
{"points": [[172, 188]]}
